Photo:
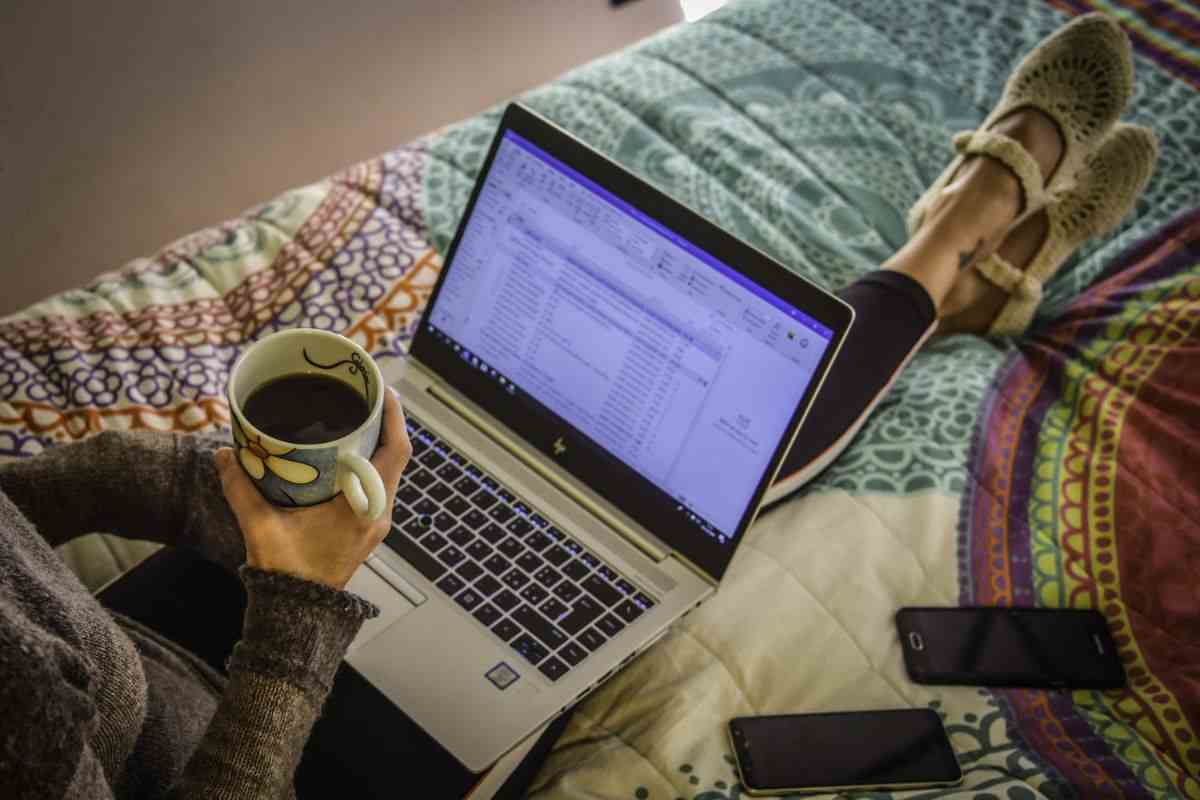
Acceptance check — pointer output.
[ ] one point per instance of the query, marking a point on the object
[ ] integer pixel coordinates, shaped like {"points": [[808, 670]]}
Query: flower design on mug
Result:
{"points": [[258, 456]]}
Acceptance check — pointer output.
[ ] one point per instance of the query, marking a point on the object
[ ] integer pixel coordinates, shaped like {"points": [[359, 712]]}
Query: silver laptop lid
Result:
{"points": [[650, 368]]}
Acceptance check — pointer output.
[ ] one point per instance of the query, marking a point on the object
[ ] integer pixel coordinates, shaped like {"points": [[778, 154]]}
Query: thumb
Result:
{"points": [[244, 499]]}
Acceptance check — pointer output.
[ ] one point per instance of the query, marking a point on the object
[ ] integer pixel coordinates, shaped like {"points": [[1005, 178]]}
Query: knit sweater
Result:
{"points": [[96, 706]]}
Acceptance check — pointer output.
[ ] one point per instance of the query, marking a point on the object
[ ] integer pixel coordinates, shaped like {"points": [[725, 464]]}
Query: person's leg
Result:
{"points": [[925, 287]]}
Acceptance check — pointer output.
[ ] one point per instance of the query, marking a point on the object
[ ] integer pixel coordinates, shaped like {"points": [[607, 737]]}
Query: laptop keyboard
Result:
{"points": [[539, 591]]}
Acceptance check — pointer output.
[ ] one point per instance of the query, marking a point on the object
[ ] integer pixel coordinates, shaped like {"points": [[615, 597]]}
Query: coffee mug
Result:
{"points": [[294, 474]]}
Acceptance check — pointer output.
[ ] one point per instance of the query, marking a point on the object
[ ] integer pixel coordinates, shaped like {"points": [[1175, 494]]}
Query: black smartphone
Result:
{"points": [[792, 753], [1029, 647]]}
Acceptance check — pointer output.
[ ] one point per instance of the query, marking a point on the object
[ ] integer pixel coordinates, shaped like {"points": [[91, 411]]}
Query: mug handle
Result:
{"points": [[362, 486]]}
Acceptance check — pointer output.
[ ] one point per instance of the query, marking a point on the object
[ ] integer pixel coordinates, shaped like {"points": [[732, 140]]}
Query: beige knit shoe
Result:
{"points": [[1081, 76], [1107, 188]]}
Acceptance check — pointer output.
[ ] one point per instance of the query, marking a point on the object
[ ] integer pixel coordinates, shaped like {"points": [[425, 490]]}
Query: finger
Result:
{"points": [[394, 450], [244, 499]]}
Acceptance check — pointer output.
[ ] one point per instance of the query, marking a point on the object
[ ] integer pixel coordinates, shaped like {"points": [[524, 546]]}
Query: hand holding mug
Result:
{"points": [[327, 542]]}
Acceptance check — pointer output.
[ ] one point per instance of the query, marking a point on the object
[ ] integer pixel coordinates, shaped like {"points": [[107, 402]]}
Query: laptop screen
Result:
{"points": [[659, 354]]}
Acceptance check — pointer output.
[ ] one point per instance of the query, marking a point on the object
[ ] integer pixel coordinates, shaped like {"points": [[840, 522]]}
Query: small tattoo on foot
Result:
{"points": [[968, 256]]}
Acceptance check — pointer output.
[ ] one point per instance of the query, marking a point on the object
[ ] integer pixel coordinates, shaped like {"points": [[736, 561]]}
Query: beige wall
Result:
{"points": [[125, 124]]}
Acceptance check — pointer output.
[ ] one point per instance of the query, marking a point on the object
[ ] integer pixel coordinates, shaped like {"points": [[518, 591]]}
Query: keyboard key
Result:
{"points": [[444, 522], [433, 542], [519, 526], [457, 506], [489, 482], [487, 585], [534, 593], [591, 639], [506, 600], [567, 591], [418, 526], [412, 426], [421, 478], [400, 514], [555, 534], [440, 492], [590, 560], [458, 458], [529, 619], [478, 550], [469, 598], [511, 547], [538, 542], [419, 446], [496, 564], [505, 495], [547, 576], [556, 556], [625, 586], [493, 533], [426, 506], [628, 610], [474, 471], [643, 601], [529, 561], [553, 609], [573, 653], [484, 500], [433, 459], [449, 473], [583, 613], [451, 584], [465, 486], [538, 520], [469, 570], [552, 668], [521, 508], [411, 552], [473, 519], [575, 570], [461, 536], [451, 556], [602, 589], [571, 546], [506, 629], [408, 494], [487, 614], [501, 513], [529, 648], [610, 625], [442, 447], [515, 579], [608, 574]]}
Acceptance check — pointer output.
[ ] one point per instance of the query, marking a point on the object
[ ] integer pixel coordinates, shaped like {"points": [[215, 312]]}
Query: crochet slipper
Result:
{"points": [[1081, 77], [1107, 188]]}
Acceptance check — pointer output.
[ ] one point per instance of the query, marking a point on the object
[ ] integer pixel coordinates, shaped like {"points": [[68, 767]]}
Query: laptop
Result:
{"points": [[602, 387]]}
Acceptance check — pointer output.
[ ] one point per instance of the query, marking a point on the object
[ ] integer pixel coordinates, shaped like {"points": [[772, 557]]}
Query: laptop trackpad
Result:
{"points": [[449, 675], [392, 605]]}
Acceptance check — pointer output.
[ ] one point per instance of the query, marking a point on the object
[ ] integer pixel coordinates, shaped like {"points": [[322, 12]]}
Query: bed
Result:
{"points": [[1055, 470]]}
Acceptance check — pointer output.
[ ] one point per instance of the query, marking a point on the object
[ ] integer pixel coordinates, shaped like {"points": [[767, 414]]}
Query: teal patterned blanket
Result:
{"points": [[807, 128]]}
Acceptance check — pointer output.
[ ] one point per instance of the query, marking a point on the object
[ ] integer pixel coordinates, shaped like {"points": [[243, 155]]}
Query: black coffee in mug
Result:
{"points": [[306, 408]]}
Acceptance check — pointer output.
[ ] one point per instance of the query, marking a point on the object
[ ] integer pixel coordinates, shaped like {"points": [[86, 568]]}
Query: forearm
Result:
{"points": [[142, 485], [295, 636]]}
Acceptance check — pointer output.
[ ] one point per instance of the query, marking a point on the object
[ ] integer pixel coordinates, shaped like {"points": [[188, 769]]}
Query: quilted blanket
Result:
{"points": [[1055, 470]]}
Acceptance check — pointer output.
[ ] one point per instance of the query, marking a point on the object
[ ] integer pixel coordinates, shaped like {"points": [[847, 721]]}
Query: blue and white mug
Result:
{"points": [[294, 475]]}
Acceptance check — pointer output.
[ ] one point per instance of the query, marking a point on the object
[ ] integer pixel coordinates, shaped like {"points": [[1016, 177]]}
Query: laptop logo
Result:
{"points": [[560, 446]]}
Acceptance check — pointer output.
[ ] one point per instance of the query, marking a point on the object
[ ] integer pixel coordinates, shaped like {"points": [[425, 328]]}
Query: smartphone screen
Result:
{"points": [[1053, 648], [857, 749]]}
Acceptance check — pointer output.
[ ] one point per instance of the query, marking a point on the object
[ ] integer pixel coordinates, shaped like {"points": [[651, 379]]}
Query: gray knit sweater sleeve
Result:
{"points": [[294, 637], [139, 485], [295, 632]]}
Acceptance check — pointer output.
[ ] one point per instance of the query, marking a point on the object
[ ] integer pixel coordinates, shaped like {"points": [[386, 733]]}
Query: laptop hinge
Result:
{"points": [[559, 482]]}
